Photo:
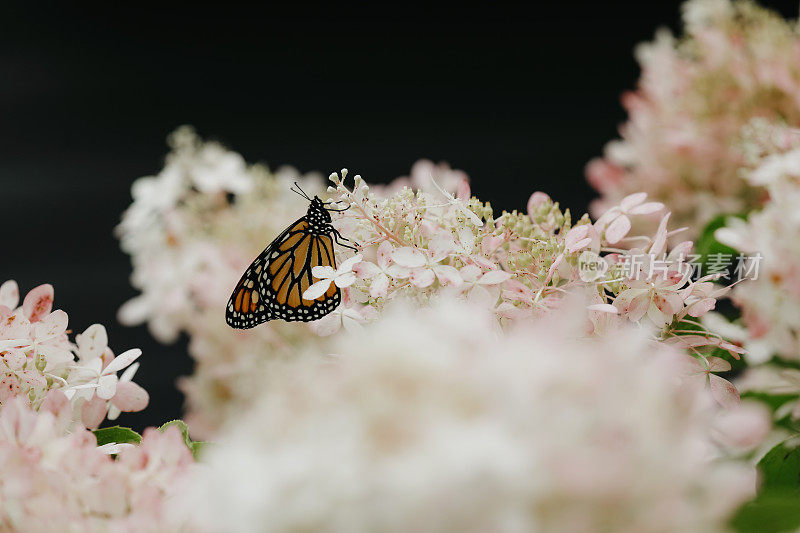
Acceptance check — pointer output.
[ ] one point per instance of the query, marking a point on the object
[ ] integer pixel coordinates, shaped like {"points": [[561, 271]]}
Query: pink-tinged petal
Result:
{"points": [[646, 209], [580, 245], [327, 325], [668, 303], [384, 254], [93, 412], [660, 239], [323, 272], [92, 342], [107, 386], [441, 246], [38, 303], [122, 360], [471, 216], [724, 392], [639, 306], [691, 341], [9, 387], [576, 238], [130, 397], [54, 325], [5, 312], [32, 379], [606, 219], [409, 257], [701, 307], [552, 270], [14, 359], [9, 294], [470, 273], [484, 262], [717, 364], [732, 349], [538, 198], [494, 277], [379, 286], [603, 308], [57, 403], [422, 277], [366, 270], [618, 229], [448, 275], [463, 191], [399, 272], [348, 264], [317, 289], [681, 251], [632, 200], [345, 280]]}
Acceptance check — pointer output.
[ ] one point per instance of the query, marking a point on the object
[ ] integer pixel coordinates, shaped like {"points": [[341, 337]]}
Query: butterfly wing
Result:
{"points": [[273, 284], [288, 275]]}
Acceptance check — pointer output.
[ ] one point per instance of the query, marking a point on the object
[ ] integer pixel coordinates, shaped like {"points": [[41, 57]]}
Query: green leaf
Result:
{"points": [[773, 511], [194, 446], [116, 434], [780, 468]]}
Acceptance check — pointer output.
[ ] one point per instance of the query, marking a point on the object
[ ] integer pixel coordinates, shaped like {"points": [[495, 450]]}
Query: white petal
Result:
{"points": [[632, 200], [422, 277], [379, 286], [384, 254], [409, 257], [92, 342], [122, 360], [107, 386], [448, 275], [494, 277], [323, 272], [618, 229], [347, 265], [603, 308], [345, 280], [317, 289]]}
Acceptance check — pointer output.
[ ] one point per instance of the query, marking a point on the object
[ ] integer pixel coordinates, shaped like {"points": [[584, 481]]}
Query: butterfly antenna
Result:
{"points": [[299, 191]]}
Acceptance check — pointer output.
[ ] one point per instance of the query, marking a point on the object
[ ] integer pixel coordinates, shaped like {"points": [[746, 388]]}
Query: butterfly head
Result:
{"points": [[317, 212]]}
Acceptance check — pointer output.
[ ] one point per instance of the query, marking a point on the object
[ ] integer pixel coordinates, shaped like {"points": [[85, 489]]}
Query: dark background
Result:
{"points": [[519, 96]]}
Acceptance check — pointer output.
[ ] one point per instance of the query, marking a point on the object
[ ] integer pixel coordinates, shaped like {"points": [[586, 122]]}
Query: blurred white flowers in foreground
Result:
{"points": [[433, 420]]}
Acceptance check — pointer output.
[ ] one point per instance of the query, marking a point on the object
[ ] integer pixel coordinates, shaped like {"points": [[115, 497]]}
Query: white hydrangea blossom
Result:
{"points": [[432, 420]]}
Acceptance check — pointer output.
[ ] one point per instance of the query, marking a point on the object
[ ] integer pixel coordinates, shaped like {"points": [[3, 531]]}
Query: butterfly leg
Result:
{"points": [[337, 236]]}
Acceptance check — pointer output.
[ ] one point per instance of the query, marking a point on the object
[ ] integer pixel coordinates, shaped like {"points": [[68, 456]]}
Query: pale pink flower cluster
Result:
{"points": [[190, 244], [770, 304], [191, 231], [424, 244], [429, 420], [56, 478], [36, 357], [736, 61]]}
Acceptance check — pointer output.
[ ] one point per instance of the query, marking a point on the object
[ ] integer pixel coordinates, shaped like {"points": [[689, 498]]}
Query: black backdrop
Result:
{"points": [[520, 96]]}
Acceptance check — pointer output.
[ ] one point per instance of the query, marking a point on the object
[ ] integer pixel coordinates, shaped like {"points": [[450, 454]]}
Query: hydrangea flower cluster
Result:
{"points": [[191, 231], [521, 266], [736, 61], [770, 304], [36, 357], [191, 237], [429, 421], [56, 478]]}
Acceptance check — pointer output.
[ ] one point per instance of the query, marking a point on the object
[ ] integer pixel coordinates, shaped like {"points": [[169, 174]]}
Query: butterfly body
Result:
{"points": [[272, 287]]}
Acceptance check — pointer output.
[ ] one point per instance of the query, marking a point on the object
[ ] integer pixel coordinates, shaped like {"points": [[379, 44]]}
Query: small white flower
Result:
{"points": [[342, 277]]}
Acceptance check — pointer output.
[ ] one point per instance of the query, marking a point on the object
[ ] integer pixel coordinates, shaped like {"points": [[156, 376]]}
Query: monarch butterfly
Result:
{"points": [[272, 286]]}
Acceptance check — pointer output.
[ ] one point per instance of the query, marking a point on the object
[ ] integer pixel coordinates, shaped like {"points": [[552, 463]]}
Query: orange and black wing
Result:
{"points": [[273, 285]]}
